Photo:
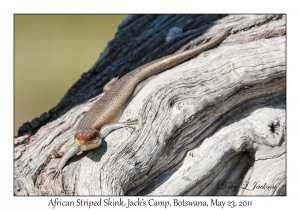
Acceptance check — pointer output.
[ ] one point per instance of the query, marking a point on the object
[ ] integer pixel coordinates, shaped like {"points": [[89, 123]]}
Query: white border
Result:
{"points": [[9, 8]]}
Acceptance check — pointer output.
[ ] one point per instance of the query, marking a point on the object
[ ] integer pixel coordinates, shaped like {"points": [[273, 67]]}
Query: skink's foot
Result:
{"points": [[108, 86], [130, 122], [54, 154], [55, 171]]}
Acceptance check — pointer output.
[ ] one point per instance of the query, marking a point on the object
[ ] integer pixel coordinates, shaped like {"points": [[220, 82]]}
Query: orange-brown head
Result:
{"points": [[87, 139]]}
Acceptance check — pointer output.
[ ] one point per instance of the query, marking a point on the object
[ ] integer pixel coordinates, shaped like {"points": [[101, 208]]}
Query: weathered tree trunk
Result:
{"points": [[214, 125]]}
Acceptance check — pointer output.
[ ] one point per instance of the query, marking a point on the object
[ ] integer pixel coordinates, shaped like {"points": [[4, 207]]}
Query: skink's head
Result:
{"points": [[87, 139]]}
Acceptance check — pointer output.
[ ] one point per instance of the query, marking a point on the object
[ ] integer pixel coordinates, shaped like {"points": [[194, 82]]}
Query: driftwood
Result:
{"points": [[214, 125]]}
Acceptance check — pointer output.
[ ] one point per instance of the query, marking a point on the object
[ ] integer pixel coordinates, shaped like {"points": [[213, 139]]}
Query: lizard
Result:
{"points": [[102, 117]]}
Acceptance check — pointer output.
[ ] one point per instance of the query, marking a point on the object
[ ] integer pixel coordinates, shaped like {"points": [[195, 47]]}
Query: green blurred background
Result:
{"points": [[50, 54]]}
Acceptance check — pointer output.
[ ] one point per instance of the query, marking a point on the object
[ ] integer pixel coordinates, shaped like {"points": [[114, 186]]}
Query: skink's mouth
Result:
{"points": [[89, 144]]}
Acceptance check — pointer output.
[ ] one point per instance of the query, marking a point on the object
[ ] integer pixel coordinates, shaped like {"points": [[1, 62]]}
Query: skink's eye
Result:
{"points": [[93, 136]]}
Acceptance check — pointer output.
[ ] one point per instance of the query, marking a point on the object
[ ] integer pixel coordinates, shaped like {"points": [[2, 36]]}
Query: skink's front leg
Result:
{"points": [[73, 150], [105, 130]]}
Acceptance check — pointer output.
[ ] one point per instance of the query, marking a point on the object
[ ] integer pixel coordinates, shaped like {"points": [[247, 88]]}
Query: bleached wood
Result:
{"points": [[209, 126]]}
